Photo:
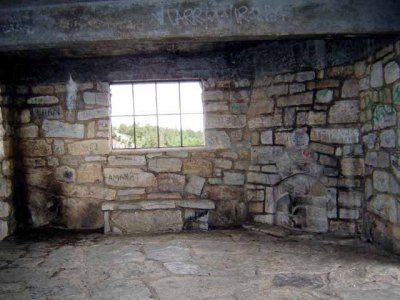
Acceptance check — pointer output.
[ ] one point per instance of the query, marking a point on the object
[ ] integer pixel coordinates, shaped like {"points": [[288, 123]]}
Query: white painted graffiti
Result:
{"points": [[204, 17]]}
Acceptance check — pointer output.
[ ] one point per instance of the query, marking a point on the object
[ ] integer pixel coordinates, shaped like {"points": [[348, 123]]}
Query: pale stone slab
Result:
{"points": [[335, 135], [195, 185], [28, 131], [324, 96], [392, 72], [165, 164], [196, 204], [377, 75], [138, 205], [43, 100], [297, 99], [225, 121], [61, 129], [171, 182], [198, 166], [346, 111], [89, 147], [51, 112], [217, 139], [128, 177], [266, 154], [127, 160], [89, 172], [90, 114]]}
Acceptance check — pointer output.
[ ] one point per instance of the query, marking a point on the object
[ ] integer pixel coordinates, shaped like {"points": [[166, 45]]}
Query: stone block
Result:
{"points": [[258, 107], [349, 214], [225, 121], [255, 195], [384, 205], [256, 207], [29, 131], [346, 111], [42, 207], [5, 188], [384, 116], [89, 147], [388, 138], [165, 164], [37, 147], [316, 118], [81, 213], [352, 166], [222, 192], [324, 96], [233, 178], [154, 221], [265, 121], [266, 154], [58, 147], [195, 185], [350, 88], [392, 72], [335, 135], [350, 199], [222, 163], [171, 182], [91, 98], [5, 210], [305, 76], [295, 88], [127, 160], [25, 116], [213, 95], [87, 191], [295, 100], [217, 139], [128, 177], [89, 172], [97, 113], [48, 112], [267, 137], [43, 100], [376, 75], [196, 204], [217, 107], [265, 219], [198, 166], [66, 174], [62, 130]]}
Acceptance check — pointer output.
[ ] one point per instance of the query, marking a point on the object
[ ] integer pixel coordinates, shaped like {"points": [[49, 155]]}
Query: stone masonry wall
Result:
{"points": [[306, 151], [379, 79], [7, 212]]}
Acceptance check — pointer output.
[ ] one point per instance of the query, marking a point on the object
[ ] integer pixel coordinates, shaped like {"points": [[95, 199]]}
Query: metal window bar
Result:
{"points": [[180, 112]]}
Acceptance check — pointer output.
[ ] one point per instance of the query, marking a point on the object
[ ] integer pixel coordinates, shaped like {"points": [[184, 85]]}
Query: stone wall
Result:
{"points": [[7, 213], [379, 79]]}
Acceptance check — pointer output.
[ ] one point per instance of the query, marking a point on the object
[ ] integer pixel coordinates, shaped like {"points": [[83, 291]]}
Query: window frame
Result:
{"points": [[158, 148]]}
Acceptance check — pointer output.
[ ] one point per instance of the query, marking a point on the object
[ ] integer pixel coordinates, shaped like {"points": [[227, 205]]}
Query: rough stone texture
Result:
{"points": [[350, 88], [294, 100], [43, 100], [195, 185], [217, 140], [146, 221], [352, 166], [89, 147], [377, 74], [346, 111], [124, 160], [62, 130], [89, 172], [392, 72], [324, 96], [171, 182], [230, 264], [197, 166], [165, 165], [97, 113], [38, 147], [225, 121], [128, 177], [335, 135]]}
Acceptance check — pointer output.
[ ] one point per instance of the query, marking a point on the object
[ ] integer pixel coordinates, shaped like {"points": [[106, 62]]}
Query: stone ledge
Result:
{"points": [[157, 204]]}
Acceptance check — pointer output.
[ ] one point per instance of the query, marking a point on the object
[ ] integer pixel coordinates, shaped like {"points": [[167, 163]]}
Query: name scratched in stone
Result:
{"points": [[123, 177], [46, 112], [210, 15]]}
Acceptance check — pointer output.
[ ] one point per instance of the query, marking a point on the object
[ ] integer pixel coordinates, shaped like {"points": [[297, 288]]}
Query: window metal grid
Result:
{"points": [[134, 115]]}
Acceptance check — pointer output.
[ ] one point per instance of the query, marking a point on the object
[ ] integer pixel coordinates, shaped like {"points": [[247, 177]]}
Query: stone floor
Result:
{"points": [[225, 265]]}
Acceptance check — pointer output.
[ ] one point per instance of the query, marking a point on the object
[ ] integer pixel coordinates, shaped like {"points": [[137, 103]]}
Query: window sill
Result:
{"points": [[155, 150]]}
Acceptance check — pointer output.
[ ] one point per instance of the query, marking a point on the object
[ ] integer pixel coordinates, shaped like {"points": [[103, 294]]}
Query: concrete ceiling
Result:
{"points": [[118, 27]]}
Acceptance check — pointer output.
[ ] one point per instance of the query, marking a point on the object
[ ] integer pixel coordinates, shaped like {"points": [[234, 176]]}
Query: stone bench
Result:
{"points": [[155, 216]]}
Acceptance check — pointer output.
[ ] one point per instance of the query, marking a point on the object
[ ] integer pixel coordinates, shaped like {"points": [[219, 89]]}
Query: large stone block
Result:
{"points": [[86, 191], [128, 177], [81, 213], [260, 106], [150, 221], [195, 185], [89, 172], [43, 100], [392, 72], [37, 147], [324, 96], [171, 182], [97, 113], [297, 99], [5, 188], [125, 160], [225, 121], [222, 192], [352, 166], [346, 111], [217, 139], [233, 178], [42, 206], [384, 205], [266, 154], [376, 75], [335, 135], [350, 88], [165, 164], [384, 116], [350, 199], [29, 131], [63, 130], [265, 122], [198, 166], [89, 147]]}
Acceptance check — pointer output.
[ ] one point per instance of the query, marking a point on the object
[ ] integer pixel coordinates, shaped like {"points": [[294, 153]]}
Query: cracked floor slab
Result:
{"points": [[228, 264]]}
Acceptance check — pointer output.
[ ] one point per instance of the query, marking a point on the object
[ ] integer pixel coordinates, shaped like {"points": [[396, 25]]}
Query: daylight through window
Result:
{"points": [[157, 114]]}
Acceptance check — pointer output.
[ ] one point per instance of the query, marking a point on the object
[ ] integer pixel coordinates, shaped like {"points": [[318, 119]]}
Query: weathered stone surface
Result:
{"points": [[217, 139], [350, 88], [195, 185], [225, 121], [221, 192], [147, 221], [128, 177], [58, 147], [392, 72], [346, 111], [213, 95], [260, 106], [267, 137], [217, 107], [82, 213], [376, 75], [297, 88], [350, 199], [43, 100], [335, 135], [139, 205], [66, 174], [265, 122], [165, 164], [171, 182], [125, 160], [50, 112], [388, 138], [352, 166], [196, 204], [349, 214], [63, 130], [29, 131], [96, 113], [87, 191], [5, 188], [89, 172], [255, 195], [324, 96], [384, 116], [384, 205], [298, 280], [89, 147], [92, 98], [305, 76], [297, 99], [37, 147], [42, 207], [233, 178], [25, 116], [266, 154], [222, 163], [198, 166]]}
